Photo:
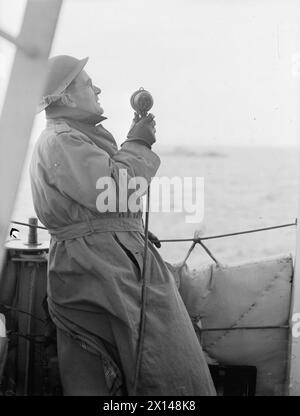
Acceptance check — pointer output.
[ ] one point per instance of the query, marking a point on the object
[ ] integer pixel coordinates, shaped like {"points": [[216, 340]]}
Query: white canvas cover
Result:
{"points": [[249, 294]]}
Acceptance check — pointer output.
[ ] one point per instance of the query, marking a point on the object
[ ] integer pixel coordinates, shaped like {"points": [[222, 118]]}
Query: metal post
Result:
{"points": [[294, 364]]}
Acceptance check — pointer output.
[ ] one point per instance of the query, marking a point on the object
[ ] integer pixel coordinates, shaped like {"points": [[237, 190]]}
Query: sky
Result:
{"points": [[220, 72]]}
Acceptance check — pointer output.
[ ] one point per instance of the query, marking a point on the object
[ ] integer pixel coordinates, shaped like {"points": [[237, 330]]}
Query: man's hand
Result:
{"points": [[142, 130], [154, 240]]}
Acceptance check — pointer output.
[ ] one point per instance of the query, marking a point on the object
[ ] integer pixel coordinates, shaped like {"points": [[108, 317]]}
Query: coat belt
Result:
{"points": [[102, 224]]}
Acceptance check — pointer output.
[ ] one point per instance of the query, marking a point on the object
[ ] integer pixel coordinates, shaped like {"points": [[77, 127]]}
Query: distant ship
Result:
{"points": [[190, 152]]}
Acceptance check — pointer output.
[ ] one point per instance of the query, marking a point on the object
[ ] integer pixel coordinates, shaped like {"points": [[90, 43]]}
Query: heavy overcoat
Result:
{"points": [[95, 263]]}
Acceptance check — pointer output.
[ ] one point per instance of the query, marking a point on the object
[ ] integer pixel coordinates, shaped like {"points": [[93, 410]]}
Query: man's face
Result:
{"points": [[85, 95]]}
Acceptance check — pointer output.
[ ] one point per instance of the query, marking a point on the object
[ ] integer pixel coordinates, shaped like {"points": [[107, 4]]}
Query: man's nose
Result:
{"points": [[97, 90]]}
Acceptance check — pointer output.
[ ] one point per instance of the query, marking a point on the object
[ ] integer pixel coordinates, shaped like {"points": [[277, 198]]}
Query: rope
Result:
{"points": [[36, 338], [205, 248], [28, 225], [229, 234], [208, 252], [20, 311], [232, 328], [194, 240], [197, 240], [189, 252]]}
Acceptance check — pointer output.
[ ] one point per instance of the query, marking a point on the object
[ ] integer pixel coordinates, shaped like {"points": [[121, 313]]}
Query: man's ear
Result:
{"points": [[66, 100]]}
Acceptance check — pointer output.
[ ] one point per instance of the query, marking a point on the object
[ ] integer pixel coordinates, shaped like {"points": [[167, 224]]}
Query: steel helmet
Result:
{"points": [[62, 70]]}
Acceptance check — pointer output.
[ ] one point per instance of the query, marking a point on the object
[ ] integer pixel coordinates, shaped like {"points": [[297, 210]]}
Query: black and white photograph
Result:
{"points": [[149, 201]]}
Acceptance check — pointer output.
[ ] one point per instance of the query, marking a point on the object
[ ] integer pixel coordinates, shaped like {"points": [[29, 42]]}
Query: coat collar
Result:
{"points": [[97, 133]]}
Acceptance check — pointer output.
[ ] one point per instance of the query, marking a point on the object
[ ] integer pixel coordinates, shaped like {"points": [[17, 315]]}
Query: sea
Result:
{"points": [[245, 188]]}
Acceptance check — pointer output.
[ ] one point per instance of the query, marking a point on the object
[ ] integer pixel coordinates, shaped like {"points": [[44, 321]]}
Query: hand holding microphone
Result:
{"points": [[143, 125]]}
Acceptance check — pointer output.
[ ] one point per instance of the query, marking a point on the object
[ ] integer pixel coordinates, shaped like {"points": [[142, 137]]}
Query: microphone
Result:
{"points": [[141, 101]]}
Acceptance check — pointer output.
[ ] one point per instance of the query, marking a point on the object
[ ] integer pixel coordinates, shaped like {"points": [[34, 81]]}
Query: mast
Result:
{"points": [[294, 364], [26, 82]]}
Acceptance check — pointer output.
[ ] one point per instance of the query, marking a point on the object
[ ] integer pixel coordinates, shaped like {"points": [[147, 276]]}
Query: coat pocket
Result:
{"points": [[133, 249]]}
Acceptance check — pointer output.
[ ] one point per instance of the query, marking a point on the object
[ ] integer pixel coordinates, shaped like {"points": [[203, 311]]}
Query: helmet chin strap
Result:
{"points": [[88, 118]]}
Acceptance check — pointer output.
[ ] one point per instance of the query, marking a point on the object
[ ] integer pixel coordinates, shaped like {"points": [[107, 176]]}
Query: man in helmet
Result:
{"points": [[96, 258]]}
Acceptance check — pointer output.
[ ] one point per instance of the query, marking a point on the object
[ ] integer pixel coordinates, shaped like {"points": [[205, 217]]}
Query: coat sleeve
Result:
{"points": [[78, 164]]}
